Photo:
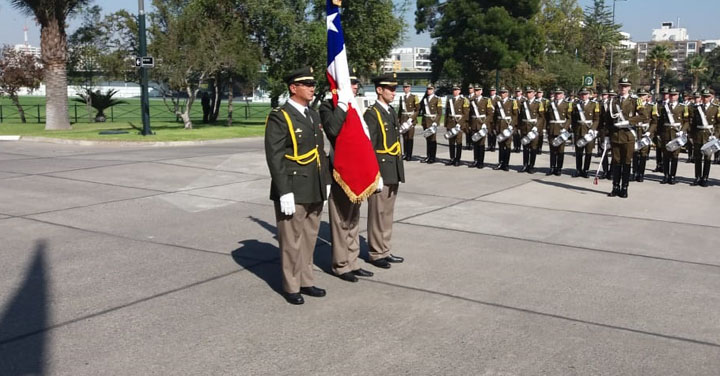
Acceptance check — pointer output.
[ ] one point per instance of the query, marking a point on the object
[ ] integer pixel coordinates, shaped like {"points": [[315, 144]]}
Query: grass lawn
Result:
{"points": [[248, 121]]}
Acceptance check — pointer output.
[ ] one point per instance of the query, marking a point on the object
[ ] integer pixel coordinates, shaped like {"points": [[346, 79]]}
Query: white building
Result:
{"points": [[28, 49], [710, 44], [409, 59], [668, 33], [626, 43]]}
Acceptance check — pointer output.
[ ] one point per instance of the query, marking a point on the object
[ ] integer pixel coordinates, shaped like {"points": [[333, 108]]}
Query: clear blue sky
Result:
{"points": [[638, 18]]}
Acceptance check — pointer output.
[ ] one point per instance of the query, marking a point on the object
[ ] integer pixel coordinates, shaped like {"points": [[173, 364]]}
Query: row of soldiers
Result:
{"points": [[616, 121]]}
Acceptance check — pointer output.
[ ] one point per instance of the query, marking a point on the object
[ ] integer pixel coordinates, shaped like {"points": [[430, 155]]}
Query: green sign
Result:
{"points": [[589, 80]]}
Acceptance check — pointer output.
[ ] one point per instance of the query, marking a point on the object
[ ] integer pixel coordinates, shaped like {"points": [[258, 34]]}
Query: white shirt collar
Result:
{"points": [[384, 106], [431, 96], [297, 106]]}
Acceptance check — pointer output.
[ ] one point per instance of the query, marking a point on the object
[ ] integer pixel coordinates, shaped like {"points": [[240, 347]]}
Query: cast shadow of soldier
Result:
{"points": [[263, 259], [24, 321]]}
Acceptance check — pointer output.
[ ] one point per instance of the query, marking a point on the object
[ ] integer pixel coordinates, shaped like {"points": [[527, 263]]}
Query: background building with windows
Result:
{"points": [[679, 44], [407, 59]]}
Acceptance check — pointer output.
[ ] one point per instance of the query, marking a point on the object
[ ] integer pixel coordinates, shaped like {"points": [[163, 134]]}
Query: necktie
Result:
{"points": [[307, 114]]}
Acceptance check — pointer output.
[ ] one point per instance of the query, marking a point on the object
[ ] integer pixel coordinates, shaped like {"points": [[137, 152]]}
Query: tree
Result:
{"points": [[52, 16], [18, 70], [561, 21], [600, 34], [99, 101], [697, 66], [659, 59], [479, 36]]}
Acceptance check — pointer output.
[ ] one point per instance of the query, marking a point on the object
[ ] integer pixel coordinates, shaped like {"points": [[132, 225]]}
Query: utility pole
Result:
{"points": [[612, 48], [144, 101]]}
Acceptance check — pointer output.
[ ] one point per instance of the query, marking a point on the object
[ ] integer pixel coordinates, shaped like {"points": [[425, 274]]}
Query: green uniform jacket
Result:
{"points": [[510, 107], [629, 108], [536, 109], [486, 112], [332, 119], [385, 137], [435, 106], [557, 122], [712, 114], [591, 110], [462, 112], [681, 116], [409, 108], [307, 181]]}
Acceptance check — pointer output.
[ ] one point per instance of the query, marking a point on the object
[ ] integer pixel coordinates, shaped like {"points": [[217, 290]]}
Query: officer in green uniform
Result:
{"points": [[584, 121], [558, 115], [456, 116], [644, 129], [382, 122], [431, 112], [623, 115], [506, 118], [540, 95], [532, 119], [517, 145], [471, 97], [492, 135], [409, 108], [705, 126], [481, 114], [298, 167], [673, 122]]}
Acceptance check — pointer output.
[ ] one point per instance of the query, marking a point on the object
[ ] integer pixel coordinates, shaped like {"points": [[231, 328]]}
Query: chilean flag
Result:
{"points": [[355, 165]]}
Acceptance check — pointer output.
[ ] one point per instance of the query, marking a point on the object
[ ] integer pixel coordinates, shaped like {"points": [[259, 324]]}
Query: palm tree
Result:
{"points": [[659, 58], [696, 66], [52, 16]]}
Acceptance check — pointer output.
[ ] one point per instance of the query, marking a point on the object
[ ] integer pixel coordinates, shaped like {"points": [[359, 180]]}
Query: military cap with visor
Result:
{"points": [[302, 76], [386, 80]]}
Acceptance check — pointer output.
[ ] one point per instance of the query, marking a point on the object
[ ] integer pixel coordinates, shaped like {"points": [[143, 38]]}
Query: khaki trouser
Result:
{"points": [[297, 235], [344, 226], [381, 208]]}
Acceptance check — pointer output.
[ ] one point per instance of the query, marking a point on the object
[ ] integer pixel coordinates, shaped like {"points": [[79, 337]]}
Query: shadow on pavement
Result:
{"points": [[570, 187], [23, 339]]}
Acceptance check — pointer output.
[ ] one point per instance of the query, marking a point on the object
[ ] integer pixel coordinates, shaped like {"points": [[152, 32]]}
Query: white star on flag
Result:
{"points": [[331, 22]]}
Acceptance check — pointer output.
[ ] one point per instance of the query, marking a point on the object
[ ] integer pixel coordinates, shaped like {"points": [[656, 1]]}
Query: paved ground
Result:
{"points": [[162, 261]]}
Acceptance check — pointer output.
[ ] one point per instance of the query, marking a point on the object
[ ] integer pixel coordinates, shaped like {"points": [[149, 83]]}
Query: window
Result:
{"points": [[643, 46], [691, 46]]}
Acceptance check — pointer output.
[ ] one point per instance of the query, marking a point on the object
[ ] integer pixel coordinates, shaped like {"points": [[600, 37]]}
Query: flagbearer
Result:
{"points": [[430, 110], [409, 106], [382, 122], [705, 127], [296, 160], [344, 212]]}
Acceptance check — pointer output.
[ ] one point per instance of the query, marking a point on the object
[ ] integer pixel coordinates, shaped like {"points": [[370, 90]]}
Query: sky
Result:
{"points": [[638, 18]]}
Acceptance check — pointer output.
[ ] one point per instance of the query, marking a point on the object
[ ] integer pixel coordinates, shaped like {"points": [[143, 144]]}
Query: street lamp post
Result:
{"points": [[144, 102]]}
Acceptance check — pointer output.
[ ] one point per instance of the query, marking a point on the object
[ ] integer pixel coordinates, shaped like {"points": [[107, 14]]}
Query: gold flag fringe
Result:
{"points": [[356, 199]]}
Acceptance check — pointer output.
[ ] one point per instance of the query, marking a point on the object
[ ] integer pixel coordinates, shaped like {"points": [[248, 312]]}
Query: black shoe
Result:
{"points": [[395, 259], [450, 162], [615, 191], [498, 167], [381, 263], [550, 172], [584, 174], [456, 163], [424, 160], [672, 180], [313, 291], [474, 164], [349, 276], [524, 168], [530, 170], [703, 182], [658, 169], [695, 182], [294, 298], [623, 193], [640, 178], [665, 180], [505, 168], [558, 172], [430, 161], [363, 273], [576, 174]]}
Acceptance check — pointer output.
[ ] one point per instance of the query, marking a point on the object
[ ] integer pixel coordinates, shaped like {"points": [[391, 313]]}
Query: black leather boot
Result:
{"points": [[578, 162], [409, 149], [616, 180], [506, 160], [698, 172], [586, 165], [458, 155], [560, 161], [432, 151], [640, 175], [634, 166], [526, 160], [475, 157], [666, 170], [553, 162], [451, 148], [481, 156], [673, 171], [531, 166], [658, 160], [625, 181], [706, 172]]}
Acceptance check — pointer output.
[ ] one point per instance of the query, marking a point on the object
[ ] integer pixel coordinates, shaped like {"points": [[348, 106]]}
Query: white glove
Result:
{"points": [[484, 126], [712, 138], [457, 127], [646, 134], [287, 203], [534, 129], [380, 185], [327, 193], [409, 122], [434, 124], [679, 134], [510, 127]]}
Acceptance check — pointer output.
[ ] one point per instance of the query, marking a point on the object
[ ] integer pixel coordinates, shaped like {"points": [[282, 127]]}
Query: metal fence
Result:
{"points": [[126, 112]]}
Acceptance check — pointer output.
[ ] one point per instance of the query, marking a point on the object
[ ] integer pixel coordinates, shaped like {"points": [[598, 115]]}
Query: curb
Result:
{"points": [[131, 143]]}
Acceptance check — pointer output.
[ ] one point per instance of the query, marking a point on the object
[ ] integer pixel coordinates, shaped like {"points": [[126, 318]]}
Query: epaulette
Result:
{"points": [[276, 109], [597, 106]]}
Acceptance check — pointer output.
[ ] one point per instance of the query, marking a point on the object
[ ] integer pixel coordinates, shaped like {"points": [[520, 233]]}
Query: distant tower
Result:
{"points": [[25, 29]]}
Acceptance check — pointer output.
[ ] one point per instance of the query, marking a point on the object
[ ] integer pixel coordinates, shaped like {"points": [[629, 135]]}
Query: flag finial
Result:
{"points": [[337, 3]]}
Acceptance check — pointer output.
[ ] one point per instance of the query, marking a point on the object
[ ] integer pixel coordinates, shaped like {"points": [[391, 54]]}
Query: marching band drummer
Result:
{"points": [[644, 129], [584, 121], [705, 124], [431, 111], [673, 122]]}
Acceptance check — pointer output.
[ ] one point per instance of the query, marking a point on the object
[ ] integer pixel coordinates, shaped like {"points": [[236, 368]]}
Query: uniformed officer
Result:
{"points": [[344, 214], [665, 98], [606, 124], [558, 115], [431, 112], [705, 127], [674, 122], [623, 115], [296, 160], [382, 122], [644, 129], [532, 119], [492, 135], [584, 121], [409, 108], [472, 95], [481, 115], [506, 117], [456, 116], [540, 95], [517, 145]]}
